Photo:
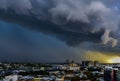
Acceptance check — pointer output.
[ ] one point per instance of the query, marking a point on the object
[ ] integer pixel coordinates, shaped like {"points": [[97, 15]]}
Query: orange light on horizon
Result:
{"points": [[102, 57], [114, 60]]}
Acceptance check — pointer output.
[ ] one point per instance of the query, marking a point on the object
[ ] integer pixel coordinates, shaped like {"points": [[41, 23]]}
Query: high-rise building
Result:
{"points": [[118, 75], [96, 63], [87, 63], [111, 75], [107, 75]]}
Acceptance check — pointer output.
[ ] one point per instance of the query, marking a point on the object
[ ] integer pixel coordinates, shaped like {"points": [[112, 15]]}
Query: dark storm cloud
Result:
{"points": [[72, 21], [21, 45], [71, 32]]}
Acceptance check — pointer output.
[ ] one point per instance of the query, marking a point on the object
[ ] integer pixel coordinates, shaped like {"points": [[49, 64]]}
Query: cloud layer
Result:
{"points": [[82, 23], [63, 17]]}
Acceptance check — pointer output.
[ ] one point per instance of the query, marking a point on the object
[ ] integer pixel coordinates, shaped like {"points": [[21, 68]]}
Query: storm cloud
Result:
{"points": [[76, 22], [65, 19]]}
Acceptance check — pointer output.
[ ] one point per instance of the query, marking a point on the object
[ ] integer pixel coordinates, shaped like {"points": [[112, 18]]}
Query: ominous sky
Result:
{"points": [[56, 30]]}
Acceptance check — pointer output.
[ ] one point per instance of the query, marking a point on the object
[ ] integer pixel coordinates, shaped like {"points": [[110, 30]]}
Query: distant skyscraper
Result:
{"points": [[96, 63], [83, 63], [87, 63]]}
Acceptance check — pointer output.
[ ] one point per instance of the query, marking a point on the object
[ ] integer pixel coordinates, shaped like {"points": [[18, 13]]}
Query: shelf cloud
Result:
{"points": [[74, 22]]}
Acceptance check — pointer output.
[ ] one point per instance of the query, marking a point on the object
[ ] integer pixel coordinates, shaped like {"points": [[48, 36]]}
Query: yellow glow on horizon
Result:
{"points": [[115, 60], [102, 57]]}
